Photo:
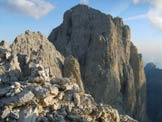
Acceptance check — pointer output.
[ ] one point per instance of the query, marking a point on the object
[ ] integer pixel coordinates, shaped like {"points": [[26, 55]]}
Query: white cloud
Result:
{"points": [[142, 16], [154, 14], [85, 2], [152, 52], [33, 8], [136, 1]]}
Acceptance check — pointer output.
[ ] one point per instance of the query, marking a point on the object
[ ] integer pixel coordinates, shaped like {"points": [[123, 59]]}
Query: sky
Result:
{"points": [[143, 16]]}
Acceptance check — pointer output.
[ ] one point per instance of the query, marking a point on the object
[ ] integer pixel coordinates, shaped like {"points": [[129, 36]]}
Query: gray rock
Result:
{"points": [[9, 65], [127, 119], [35, 49], [76, 98], [14, 115], [54, 90], [20, 99], [111, 68], [72, 69], [75, 118], [28, 115], [59, 118], [40, 92], [5, 112]]}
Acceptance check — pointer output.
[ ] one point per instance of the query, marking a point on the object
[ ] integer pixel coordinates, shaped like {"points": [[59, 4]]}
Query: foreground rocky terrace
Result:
{"points": [[37, 84]]}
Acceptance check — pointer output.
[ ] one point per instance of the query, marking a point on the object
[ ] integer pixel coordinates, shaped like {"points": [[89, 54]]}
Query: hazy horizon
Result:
{"points": [[143, 17]]}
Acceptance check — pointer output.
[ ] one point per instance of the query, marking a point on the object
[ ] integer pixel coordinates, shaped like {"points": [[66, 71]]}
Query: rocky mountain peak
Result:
{"points": [[110, 63]]}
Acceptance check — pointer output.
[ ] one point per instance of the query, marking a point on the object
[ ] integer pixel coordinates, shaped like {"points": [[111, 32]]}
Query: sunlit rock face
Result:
{"points": [[111, 68]]}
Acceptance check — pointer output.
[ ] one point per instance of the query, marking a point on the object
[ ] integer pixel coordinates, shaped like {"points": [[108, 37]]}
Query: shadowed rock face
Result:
{"points": [[154, 90], [111, 68]]}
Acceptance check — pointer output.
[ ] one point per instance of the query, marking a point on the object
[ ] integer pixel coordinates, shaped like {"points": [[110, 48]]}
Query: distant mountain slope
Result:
{"points": [[154, 92]]}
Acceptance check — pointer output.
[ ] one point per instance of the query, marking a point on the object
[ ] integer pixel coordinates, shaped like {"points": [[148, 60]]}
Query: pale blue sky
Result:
{"points": [[144, 18]]}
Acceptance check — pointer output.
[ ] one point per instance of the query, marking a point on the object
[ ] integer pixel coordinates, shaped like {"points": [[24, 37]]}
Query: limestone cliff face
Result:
{"points": [[111, 68]]}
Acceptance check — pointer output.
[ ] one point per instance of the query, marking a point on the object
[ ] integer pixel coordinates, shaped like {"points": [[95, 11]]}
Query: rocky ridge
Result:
{"points": [[37, 84], [110, 63]]}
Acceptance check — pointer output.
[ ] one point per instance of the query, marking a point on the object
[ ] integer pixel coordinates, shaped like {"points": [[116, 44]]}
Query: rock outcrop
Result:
{"points": [[154, 90], [9, 65], [72, 69], [33, 50], [111, 68], [37, 85]]}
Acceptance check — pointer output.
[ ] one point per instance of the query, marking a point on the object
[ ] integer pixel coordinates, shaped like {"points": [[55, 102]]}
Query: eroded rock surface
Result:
{"points": [[36, 53], [111, 68], [72, 69]]}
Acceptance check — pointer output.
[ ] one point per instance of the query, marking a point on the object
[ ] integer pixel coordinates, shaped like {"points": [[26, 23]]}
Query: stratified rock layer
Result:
{"points": [[111, 68]]}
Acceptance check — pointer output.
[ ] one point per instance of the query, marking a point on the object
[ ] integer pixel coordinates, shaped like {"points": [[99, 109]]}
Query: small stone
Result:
{"points": [[20, 99], [60, 95], [54, 91], [89, 119], [56, 106], [68, 86], [74, 117], [41, 92], [12, 86], [42, 119], [126, 118], [5, 112], [49, 101], [25, 97], [17, 84], [29, 114], [14, 114], [63, 112], [18, 90], [76, 98], [59, 118], [68, 96]]}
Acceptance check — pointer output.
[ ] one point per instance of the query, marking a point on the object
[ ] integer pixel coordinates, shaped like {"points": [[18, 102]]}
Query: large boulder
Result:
{"points": [[111, 68]]}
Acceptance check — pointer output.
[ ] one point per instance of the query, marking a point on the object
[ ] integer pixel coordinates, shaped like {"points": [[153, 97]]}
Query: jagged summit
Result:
{"points": [[111, 68]]}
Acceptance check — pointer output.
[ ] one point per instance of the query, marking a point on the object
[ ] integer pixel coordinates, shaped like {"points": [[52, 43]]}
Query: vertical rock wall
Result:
{"points": [[111, 68]]}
